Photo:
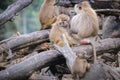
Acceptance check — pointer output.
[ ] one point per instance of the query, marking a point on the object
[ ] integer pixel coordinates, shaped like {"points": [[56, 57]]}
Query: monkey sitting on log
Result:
{"points": [[80, 66], [84, 25], [59, 28], [76, 62], [48, 13]]}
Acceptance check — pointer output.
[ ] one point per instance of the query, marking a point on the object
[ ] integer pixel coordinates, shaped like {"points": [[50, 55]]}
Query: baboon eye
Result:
{"points": [[80, 8]]}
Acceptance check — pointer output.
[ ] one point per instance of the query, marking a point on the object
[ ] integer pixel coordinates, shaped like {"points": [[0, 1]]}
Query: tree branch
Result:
{"points": [[102, 46], [13, 9], [24, 40], [108, 11], [24, 69], [67, 52]]}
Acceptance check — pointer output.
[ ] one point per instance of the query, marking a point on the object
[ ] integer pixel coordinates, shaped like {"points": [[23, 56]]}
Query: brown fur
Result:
{"points": [[48, 13], [58, 29], [85, 25], [80, 66]]}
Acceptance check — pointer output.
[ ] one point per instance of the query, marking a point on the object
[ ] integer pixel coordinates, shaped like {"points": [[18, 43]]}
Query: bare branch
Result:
{"points": [[24, 69], [108, 11], [102, 46], [13, 9], [24, 40], [67, 52]]}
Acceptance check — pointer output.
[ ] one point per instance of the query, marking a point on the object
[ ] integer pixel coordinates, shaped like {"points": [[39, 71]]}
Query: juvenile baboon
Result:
{"points": [[48, 13]]}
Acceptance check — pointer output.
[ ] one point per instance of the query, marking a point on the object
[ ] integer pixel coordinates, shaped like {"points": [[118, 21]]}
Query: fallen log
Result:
{"points": [[13, 9], [115, 12], [97, 4], [100, 71], [97, 71], [67, 53], [24, 69], [23, 41], [20, 42], [38, 77], [102, 46]]}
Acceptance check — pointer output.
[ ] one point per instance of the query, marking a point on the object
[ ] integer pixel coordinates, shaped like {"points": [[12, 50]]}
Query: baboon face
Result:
{"points": [[63, 20], [81, 6]]}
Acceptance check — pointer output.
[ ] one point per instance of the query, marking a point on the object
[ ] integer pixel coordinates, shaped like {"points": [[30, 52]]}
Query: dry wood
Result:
{"points": [[25, 68], [117, 69], [26, 40], [23, 41], [13, 9], [97, 4], [39, 77], [101, 72], [111, 71], [109, 11], [102, 46], [67, 53]]}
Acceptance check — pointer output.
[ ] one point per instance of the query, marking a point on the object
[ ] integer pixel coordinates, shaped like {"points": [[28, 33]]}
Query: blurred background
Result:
{"points": [[26, 22]]}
